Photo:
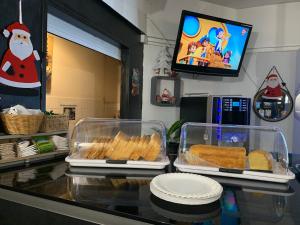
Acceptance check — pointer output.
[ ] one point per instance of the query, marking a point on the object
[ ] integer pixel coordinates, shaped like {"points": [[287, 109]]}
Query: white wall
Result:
{"points": [[88, 80], [162, 21], [132, 10], [274, 41], [274, 26], [166, 15]]}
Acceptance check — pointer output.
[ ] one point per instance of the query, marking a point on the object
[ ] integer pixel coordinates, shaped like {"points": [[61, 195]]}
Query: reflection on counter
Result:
{"points": [[127, 193], [196, 214]]}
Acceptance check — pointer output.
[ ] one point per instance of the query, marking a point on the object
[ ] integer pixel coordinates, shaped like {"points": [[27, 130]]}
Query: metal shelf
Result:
{"points": [[32, 159], [28, 136], [21, 161]]}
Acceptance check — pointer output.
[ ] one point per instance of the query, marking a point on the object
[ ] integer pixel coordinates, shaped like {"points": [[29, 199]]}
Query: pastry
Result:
{"points": [[117, 143], [119, 149], [136, 155], [130, 148], [93, 151], [123, 150], [260, 160], [193, 159], [224, 157], [106, 146], [122, 147], [145, 146], [121, 136], [218, 150], [154, 148]]}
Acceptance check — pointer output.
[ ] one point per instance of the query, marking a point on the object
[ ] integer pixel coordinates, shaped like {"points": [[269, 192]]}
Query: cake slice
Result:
{"points": [[260, 160]]}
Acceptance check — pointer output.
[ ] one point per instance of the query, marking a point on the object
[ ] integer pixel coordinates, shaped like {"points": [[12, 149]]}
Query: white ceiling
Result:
{"points": [[240, 4]]}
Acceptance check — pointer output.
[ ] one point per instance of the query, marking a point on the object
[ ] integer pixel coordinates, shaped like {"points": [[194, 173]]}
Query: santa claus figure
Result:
{"points": [[273, 89], [18, 67], [166, 95]]}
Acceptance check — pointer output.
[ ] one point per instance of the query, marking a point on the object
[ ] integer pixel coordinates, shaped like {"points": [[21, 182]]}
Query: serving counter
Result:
{"points": [[54, 192]]}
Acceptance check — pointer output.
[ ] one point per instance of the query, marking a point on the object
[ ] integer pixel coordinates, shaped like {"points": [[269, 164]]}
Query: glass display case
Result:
{"points": [[250, 152], [118, 143]]}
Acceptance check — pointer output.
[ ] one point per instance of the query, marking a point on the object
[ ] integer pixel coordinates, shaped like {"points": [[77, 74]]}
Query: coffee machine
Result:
{"points": [[234, 110], [219, 109]]}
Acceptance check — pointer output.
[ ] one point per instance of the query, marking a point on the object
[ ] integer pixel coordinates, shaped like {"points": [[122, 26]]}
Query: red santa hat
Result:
{"points": [[16, 28], [272, 76]]}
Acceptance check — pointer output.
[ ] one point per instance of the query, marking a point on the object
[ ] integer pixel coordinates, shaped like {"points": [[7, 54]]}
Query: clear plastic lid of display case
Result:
{"points": [[252, 152], [118, 143]]}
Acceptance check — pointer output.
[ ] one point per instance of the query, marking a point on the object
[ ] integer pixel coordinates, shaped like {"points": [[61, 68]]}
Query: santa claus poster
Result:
{"points": [[19, 65], [273, 101]]}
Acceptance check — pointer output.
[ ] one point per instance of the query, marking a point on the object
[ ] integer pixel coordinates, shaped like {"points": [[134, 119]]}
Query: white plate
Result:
{"points": [[184, 188]]}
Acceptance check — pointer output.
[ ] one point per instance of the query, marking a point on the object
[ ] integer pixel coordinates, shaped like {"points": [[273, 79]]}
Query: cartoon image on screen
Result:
{"points": [[210, 43]]}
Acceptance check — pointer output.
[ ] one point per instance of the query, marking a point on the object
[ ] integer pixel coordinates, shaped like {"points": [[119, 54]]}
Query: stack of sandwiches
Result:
{"points": [[123, 147]]}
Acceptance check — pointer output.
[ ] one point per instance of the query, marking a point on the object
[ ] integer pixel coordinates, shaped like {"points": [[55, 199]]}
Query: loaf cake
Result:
{"points": [[122, 147], [260, 160], [224, 157]]}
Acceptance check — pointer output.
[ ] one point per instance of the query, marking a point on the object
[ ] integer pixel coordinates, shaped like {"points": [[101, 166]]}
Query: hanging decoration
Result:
{"points": [[135, 82], [273, 101], [166, 97], [49, 60], [18, 67], [163, 63]]}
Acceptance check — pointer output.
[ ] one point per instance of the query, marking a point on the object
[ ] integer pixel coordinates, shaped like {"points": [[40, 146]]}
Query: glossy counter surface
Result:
{"points": [[126, 193]]}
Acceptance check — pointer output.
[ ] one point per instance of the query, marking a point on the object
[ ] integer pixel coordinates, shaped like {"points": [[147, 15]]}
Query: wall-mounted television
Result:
{"points": [[209, 45]]}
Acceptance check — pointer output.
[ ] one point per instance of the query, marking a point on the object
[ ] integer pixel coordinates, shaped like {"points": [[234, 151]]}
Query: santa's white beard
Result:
{"points": [[20, 49], [273, 83]]}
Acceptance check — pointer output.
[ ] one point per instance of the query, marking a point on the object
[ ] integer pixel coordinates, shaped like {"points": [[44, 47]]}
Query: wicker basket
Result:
{"points": [[21, 124], [55, 123]]}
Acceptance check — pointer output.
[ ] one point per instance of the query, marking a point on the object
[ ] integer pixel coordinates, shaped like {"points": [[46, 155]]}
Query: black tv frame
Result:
{"points": [[211, 71]]}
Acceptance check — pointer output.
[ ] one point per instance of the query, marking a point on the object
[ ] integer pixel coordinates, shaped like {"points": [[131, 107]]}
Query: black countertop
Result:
{"points": [[126, 193]]}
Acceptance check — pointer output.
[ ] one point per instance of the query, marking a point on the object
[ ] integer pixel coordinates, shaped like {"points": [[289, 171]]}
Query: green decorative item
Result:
{"points": [[173, 133], [43, 144], [50, 113]]}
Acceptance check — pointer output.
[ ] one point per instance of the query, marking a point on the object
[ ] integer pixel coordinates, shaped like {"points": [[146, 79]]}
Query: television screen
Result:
{"points": [[210, 45]]}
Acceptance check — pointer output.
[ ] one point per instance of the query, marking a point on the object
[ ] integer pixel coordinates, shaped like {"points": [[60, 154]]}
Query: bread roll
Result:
{"points": [[224, 157], [218, 150]]}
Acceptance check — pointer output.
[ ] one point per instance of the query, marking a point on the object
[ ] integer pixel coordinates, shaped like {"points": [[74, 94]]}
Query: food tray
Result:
{"points": [[238, 151], [116, 143], [118, 163], [252, 175]]}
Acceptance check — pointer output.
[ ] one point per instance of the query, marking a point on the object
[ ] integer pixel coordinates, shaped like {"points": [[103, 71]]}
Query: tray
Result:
{"points": [[119, 163], [243, 174]]}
